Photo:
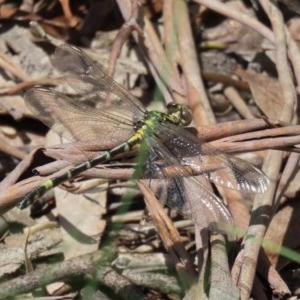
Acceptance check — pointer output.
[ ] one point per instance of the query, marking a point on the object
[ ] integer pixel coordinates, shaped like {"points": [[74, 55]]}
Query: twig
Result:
{"points": [[73, 21], [127, 28], [293, 49], [237, 101], [169, 236], [262, 211], [197, 98], [290, 168], [226, 80], [18, 88], [225, 10], [10, 150], [159, 63], [83, 266], [277, 138], [7, 64], [282, 64], [171, 44]]}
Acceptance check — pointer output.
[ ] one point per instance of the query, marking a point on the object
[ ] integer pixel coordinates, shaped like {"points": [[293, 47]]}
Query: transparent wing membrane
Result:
{"points": [[181, 191], [228, 171], [77, 120], [86, 77]]}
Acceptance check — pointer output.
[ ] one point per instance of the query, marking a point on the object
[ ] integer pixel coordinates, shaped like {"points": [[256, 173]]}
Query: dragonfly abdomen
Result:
{"points": [[49, 184]]}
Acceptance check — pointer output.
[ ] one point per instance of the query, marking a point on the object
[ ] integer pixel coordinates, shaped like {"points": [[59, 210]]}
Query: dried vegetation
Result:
{"points": [[235, 64]]}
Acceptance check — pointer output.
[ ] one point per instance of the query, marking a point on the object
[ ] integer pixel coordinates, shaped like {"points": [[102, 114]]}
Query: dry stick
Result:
{"points": [[253, 141], [171, 44], [197, 98], [169, 235], [287, 174], [221, 8], [263, 205], [167, 284], [7, 64], [276, 284], [153, 52], [213, 132], [152, 47], [160, 84], [196, 93], [127, 28], [276, 133], [272, 143], [159, 63], [160, 60], [167, 78], [238, 102], [293, 49], [294, 55], [225, 10], [18, 88], [232, 291], [10, 150], [83, 266], [170, 38], [283, 70], [226, 80], [275, 138], [65, 5]]}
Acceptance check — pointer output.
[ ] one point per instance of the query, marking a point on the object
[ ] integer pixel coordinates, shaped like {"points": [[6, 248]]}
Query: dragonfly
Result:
{"points": [[106, 110]]}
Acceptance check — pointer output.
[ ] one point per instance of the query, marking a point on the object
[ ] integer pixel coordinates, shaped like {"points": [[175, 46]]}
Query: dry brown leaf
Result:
{"points": [[266, 93], [283, 229], [81, 221], [236, 37]]}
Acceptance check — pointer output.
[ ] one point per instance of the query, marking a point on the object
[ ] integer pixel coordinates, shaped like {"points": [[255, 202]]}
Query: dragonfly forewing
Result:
{"points": [[70, 118], [87, 77]]}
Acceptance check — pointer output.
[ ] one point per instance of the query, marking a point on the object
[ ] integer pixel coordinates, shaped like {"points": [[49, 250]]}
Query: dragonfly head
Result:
{"points": [[180, 114]]}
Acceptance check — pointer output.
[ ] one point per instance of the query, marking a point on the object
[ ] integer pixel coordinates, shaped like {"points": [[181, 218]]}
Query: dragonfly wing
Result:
{"points": [[222, 169], [86, 77], [231, 172], [178, 190], [75, 120]]}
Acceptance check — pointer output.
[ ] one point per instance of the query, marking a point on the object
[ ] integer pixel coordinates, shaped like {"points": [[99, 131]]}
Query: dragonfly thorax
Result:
{"points": [[177, 114]]}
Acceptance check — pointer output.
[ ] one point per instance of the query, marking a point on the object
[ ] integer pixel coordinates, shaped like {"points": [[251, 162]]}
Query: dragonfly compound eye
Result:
{"points": [[186, 115]]}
